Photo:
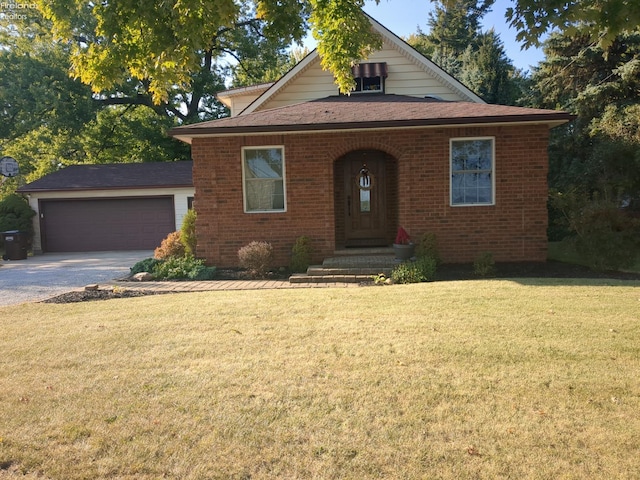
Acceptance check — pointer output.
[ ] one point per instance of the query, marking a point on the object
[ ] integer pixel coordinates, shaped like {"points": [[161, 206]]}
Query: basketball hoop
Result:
{"points": [[9, 167]]}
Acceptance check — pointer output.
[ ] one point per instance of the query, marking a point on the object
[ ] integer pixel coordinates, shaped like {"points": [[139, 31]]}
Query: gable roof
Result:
{"points": [[370, 111], [397, 43], [115, 176]]}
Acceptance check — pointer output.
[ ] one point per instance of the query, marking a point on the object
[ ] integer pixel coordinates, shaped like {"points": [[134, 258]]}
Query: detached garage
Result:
{"points": [[109, 207]]}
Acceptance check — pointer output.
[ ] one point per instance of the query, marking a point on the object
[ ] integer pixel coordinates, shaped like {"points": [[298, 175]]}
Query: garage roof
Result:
{"points": [[115, 176]]}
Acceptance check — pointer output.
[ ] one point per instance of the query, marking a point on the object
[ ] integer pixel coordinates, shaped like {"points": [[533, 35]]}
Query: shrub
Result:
{"points": [[428, 247], [422, 270], [170, 247], [190, 268], [188, 232], [604, 235], [428, 266], [257, 258], [16, 214], [484, 265], [146, 265], [301, 255]]}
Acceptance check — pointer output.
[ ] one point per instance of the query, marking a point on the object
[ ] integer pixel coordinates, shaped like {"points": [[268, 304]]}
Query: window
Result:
{"points": [[369, 77], [472, 179], [263, 179]]}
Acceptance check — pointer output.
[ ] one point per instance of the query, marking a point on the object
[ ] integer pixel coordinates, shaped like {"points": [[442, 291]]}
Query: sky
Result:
{"points": [[403, 17]]}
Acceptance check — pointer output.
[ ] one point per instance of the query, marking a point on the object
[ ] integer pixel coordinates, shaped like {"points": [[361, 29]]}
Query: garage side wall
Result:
{"points": [[514, 229]]}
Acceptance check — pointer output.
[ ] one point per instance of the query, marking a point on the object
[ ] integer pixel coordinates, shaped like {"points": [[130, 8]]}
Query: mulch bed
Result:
{"points": [[448, 272], [100, 294], [550, 269]]}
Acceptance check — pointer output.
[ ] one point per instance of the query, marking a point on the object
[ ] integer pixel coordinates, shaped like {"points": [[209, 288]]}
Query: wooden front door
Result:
{"points": [[365, 207]]}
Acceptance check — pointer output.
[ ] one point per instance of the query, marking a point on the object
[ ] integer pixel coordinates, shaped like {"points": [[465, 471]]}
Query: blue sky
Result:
{"points": [[403, 17]]}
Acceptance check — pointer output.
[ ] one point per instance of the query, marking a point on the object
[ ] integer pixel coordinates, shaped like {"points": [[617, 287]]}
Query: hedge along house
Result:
{"points": [[411, 147]]}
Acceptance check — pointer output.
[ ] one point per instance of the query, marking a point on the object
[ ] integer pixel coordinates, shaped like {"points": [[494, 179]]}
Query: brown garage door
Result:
{"points": [[105, 224]]}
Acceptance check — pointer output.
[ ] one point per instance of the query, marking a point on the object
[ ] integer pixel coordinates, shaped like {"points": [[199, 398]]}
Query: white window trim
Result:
{"points": [[493, 172], [244, 183], [366, 92]]}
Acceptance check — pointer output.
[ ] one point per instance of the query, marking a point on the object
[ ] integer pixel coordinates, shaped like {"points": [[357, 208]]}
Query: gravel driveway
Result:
{"points": [[44, 276]]}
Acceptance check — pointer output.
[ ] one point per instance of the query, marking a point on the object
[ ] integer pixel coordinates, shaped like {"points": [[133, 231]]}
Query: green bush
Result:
{"points": [[16, 214], [146, 265], [422, 270], [301, 255], [183, 268], [604, 236], [188, 232], [428, 247], [484, 265], [257, 258]]}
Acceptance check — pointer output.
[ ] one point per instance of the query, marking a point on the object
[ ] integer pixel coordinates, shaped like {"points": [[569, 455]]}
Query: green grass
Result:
{"points": [[531, 379]]}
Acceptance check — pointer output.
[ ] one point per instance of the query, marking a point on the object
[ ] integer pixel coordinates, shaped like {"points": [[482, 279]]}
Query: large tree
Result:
{"points": [[456, 43], [603, 20], [49, 118], [161, 45], [454, 25], [488, 71], [598, 151]]}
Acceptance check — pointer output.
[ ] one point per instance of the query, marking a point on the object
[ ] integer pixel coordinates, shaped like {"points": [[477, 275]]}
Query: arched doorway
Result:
{"points": [[365, 185]]}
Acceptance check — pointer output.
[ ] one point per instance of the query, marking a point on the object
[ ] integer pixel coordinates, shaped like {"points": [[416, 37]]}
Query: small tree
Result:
{"points": [[170, 247], [301, 255], [188, 233]]}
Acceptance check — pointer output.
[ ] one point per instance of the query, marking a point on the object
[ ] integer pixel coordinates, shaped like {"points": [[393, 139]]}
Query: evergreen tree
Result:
{"points": [[488, 71], [455, 25], [456, 43], [598, 151]]}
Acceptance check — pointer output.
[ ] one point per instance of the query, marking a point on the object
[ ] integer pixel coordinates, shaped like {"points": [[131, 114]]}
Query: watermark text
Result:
{"points": [[17, 6], [15, 11]]}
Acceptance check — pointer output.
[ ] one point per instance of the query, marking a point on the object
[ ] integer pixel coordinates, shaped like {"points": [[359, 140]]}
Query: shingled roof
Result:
{"points": [[366, 112], [115, 176]]}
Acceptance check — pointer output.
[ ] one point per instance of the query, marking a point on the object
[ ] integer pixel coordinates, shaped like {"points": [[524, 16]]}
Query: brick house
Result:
{"points": [[411, 147]]}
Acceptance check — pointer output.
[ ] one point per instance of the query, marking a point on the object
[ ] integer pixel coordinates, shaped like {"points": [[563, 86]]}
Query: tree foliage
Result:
{"points": [[602, 20], [163, 44], [16, 214], [598, 151], [454, 25], [456, 43], [488, 71], [50, 119]]}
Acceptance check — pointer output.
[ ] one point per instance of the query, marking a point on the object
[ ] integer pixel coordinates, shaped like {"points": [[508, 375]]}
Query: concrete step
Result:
{"points": [[304, 278], [363, 252], [348, 269], [361, 261], [319, 270]]}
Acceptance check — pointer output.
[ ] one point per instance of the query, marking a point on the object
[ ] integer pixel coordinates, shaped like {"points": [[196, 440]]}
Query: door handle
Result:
{"points": [[349, 205]]}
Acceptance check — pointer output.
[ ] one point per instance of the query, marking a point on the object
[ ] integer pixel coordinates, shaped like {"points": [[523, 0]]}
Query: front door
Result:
{"points": [[365, 207]]}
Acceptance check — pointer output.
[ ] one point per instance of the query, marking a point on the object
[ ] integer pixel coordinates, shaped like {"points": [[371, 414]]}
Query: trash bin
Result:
{"points": [[15, 245]]}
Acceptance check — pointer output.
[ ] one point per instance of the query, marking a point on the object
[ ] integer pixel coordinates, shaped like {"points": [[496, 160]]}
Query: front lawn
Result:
{"points": [[528, 379]]}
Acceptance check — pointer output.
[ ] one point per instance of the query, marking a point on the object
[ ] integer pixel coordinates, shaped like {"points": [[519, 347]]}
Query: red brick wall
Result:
{"points": [[514, 229]]}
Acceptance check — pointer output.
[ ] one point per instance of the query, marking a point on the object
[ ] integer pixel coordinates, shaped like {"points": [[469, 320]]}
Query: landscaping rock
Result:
{"points": [[143, 277]]}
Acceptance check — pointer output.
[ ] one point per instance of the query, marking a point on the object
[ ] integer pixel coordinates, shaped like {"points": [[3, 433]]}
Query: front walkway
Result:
{"points": [[213, 285]]}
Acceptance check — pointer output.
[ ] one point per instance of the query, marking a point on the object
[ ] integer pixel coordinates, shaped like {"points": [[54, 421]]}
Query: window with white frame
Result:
{"points": [[472, 171], [263, 177]]}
